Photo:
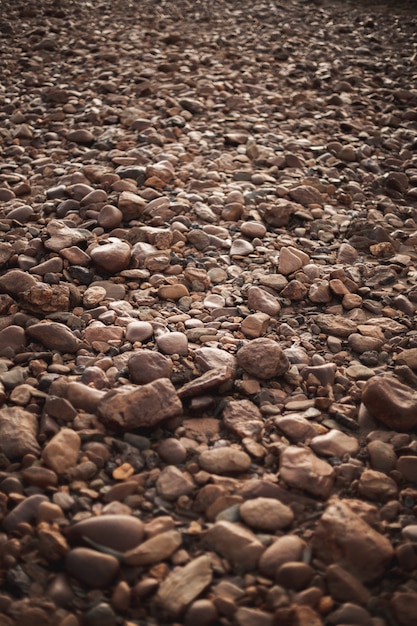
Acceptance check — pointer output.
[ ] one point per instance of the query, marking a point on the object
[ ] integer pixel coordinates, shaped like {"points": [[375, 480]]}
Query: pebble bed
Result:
{"points": [[208, 294]]}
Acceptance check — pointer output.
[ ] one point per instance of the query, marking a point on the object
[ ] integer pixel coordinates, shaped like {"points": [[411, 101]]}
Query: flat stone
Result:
{"points": [[344, 538], [94, 569], [235, 543], [154, 550], [263, 358], [61, 452], [266, 514], [207, 381], [215, 358], [261, 300], [54, 336], [127, 408], [173, 483], [335, 325], [183, 585], [117, 532], [243, 418], [391, 402], [335, 443], [224, 460], [18, 433], [300, 468]]}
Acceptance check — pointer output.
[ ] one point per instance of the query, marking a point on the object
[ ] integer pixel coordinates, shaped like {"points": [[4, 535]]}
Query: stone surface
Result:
{"points": [[155, 549], [345, 538], [301, 468], [236, 543], [130, 407], [263, 358], [61, 452], [266, 514], [18, 433], [118, 532], [224, 461], [391, 402], [91, 568], [183, 585]]}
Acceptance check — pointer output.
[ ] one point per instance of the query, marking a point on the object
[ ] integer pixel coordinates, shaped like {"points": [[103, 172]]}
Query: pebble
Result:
{"points": [[235, 543], [54, 336], [61, 452], [173, 483], [112, 256], [173, 343], [266, 514], [91, 568], [154, 550], [117, 532], [301, 468], [335, 443], [286, 549], [263, 358], [183, 585], [129, 407], [391, 402], [345, 538], [261, 300], [146, 366], [18, 433], [224, 461]]}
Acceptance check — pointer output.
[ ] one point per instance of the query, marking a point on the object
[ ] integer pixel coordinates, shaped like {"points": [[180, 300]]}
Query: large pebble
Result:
{"points": [[261, 300], [92, 568], [113, 256], [118, 532], [18, 432], [147, 365], [183, 585], [173, 483], [127, 408], [300, 468], [285, 549], [54, 336], [236, 543], [61, 452], [266, 514], [391, 402], [225, 460], [263, 358], [345, 538], [154, 550]]}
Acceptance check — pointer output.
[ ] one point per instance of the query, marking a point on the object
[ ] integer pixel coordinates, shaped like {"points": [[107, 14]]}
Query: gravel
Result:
{"points": [[208, 295]]}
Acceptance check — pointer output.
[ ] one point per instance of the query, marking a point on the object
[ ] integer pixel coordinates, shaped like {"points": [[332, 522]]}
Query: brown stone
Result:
{"points": [[147, 365], [154, 550], [92, 568], [18, 432], [263, 358], [117, 532], [300, 468], [54, 336], [391, 402], [61, 452], [236, 543], [127, 408], [344, 538]]}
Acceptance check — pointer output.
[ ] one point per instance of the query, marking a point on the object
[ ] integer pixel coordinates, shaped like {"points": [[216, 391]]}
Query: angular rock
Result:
{"points": [[261, 300], [154, 550], [344, 538], [391, 402], [61, 452], [54, 336], [235, 543], [209, 380], [18, 433], [128, 408], [243, 418], [183, 585], [300, 468], [173, 483]]}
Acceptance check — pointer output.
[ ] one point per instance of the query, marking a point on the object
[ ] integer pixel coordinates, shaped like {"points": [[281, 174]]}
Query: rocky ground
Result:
{"points": [[208, 293]]}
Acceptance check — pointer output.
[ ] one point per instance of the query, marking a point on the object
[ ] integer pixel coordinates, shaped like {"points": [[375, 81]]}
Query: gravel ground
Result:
{"points": [[208, 293]]}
